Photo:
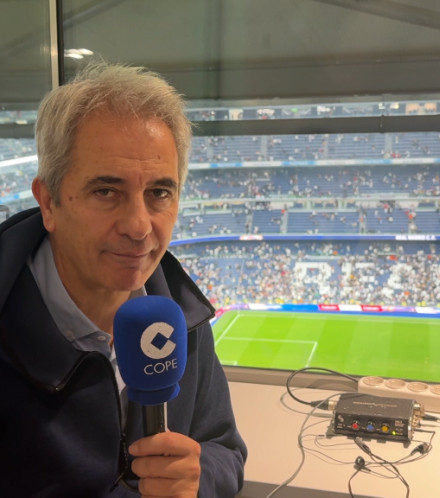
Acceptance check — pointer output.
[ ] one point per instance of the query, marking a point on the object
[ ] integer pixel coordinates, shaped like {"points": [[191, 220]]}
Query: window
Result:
{"points": [[318, 249], [25, 57], [312, 202]]}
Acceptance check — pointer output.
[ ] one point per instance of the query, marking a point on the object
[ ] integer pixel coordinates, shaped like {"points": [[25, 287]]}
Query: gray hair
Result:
{"points": [[122, 90]]}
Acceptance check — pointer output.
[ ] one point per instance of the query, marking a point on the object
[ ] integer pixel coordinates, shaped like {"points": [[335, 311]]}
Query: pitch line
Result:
{"points": [[227, 329]]}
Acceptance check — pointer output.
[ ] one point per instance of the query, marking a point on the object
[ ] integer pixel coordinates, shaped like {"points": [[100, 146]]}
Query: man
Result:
{"points": [[113, 147]]}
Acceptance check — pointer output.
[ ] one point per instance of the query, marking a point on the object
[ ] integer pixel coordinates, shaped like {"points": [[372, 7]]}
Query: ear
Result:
{"points": [[47, 206]]}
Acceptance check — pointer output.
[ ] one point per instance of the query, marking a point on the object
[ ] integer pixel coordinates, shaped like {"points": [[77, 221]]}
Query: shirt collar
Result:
{"points": [[71, 321]]}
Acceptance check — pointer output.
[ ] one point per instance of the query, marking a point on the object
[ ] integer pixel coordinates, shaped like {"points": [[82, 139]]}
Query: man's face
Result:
{"points": [[118, 205]]}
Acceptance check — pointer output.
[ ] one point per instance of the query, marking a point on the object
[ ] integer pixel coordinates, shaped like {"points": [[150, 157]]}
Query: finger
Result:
{"points": [[165, 443], [159, 487], [156, 487], [159, 466], [167, 467]]}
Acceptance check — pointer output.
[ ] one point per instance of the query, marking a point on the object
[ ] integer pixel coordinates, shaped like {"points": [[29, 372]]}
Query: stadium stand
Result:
{"points": [[294, 186], [394, 274]]}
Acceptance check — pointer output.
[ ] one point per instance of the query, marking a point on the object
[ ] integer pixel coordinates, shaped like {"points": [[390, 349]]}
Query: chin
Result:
{"points": [[131, 283]]}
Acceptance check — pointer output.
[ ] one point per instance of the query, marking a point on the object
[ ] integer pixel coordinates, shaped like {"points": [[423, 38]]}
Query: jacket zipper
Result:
{"points": [[123, 450]]}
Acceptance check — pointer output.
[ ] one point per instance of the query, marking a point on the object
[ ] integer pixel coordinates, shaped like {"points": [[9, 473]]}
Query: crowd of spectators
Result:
{"points": [[320, 110], [351, 197], [328, 199], [318, 181], [404, 274], [314, 147]]}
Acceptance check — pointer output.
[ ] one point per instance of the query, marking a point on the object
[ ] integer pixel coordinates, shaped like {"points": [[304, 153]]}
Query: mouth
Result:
{"points": [[130, 255], [130, 258]]}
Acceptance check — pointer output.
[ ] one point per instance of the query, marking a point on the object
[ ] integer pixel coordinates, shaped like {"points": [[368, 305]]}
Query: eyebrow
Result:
{"points": [[115, 180], [99, 180]]}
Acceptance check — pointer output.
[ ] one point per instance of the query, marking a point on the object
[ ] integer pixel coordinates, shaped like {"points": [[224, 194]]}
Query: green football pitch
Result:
{"points": [[357, 344]]}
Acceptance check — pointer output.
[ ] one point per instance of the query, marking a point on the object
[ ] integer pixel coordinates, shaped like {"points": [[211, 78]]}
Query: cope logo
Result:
{"points": [[155, 353]]}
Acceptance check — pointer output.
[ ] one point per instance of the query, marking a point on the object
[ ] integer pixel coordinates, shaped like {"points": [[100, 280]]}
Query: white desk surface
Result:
{"points": [[270, 428]]}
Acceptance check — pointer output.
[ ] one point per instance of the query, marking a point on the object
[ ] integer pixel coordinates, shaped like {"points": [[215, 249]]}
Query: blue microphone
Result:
{"points": [[150, 339]]}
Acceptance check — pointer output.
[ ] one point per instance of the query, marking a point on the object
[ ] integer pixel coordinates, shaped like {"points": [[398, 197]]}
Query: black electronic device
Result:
{"points": [[376, 416]]}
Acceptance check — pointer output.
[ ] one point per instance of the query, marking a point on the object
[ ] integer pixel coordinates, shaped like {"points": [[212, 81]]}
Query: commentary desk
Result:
{"points": [[270, 422]]}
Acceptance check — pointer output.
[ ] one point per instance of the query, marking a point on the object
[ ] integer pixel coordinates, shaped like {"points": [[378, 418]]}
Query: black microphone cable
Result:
{"points": [[325, 404], [301, 447], [322, 404], [382, 462], [330, 403]]}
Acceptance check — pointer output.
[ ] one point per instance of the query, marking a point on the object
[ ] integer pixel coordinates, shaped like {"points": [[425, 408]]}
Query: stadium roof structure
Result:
{"points": [[225, 49]]}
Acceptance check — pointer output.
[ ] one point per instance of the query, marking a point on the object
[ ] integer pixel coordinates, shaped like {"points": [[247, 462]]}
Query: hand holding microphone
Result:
{"points": [[167, 464], [150, 339]]}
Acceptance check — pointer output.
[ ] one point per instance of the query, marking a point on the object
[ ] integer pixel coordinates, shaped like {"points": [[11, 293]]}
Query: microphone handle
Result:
{"points": [[154, 419]]}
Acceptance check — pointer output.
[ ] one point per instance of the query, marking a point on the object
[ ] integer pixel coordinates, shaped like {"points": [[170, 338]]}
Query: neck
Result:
{"points": [[102, 308]]}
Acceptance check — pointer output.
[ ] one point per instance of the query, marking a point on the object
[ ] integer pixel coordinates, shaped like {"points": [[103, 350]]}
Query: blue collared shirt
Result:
{"points": [[71, 321]]}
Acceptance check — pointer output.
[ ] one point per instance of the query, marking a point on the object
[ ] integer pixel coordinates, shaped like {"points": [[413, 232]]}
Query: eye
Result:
{"points": [[159, 199], [161, 193], [105, 193]]}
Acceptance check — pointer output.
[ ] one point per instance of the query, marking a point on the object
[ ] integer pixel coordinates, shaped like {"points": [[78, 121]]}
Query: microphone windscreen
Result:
{"points": [[150, 339]]}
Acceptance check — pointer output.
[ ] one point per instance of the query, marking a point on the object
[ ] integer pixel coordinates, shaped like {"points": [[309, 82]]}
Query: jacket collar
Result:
{"points": [[21, 235], [171, 280], [36, 346], [31, 340]]}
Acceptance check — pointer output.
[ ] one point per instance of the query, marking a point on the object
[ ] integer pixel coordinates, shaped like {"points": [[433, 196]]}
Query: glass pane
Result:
{"points": [[25, 77], [229, 49], [341, 226], [317, 248]]}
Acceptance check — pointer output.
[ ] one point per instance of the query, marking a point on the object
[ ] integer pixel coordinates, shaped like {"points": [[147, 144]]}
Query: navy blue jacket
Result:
{"points": [[60, 422]]}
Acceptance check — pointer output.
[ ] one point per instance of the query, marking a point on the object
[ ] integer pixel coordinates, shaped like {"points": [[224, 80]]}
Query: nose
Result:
{"points": [[135, 220]]}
